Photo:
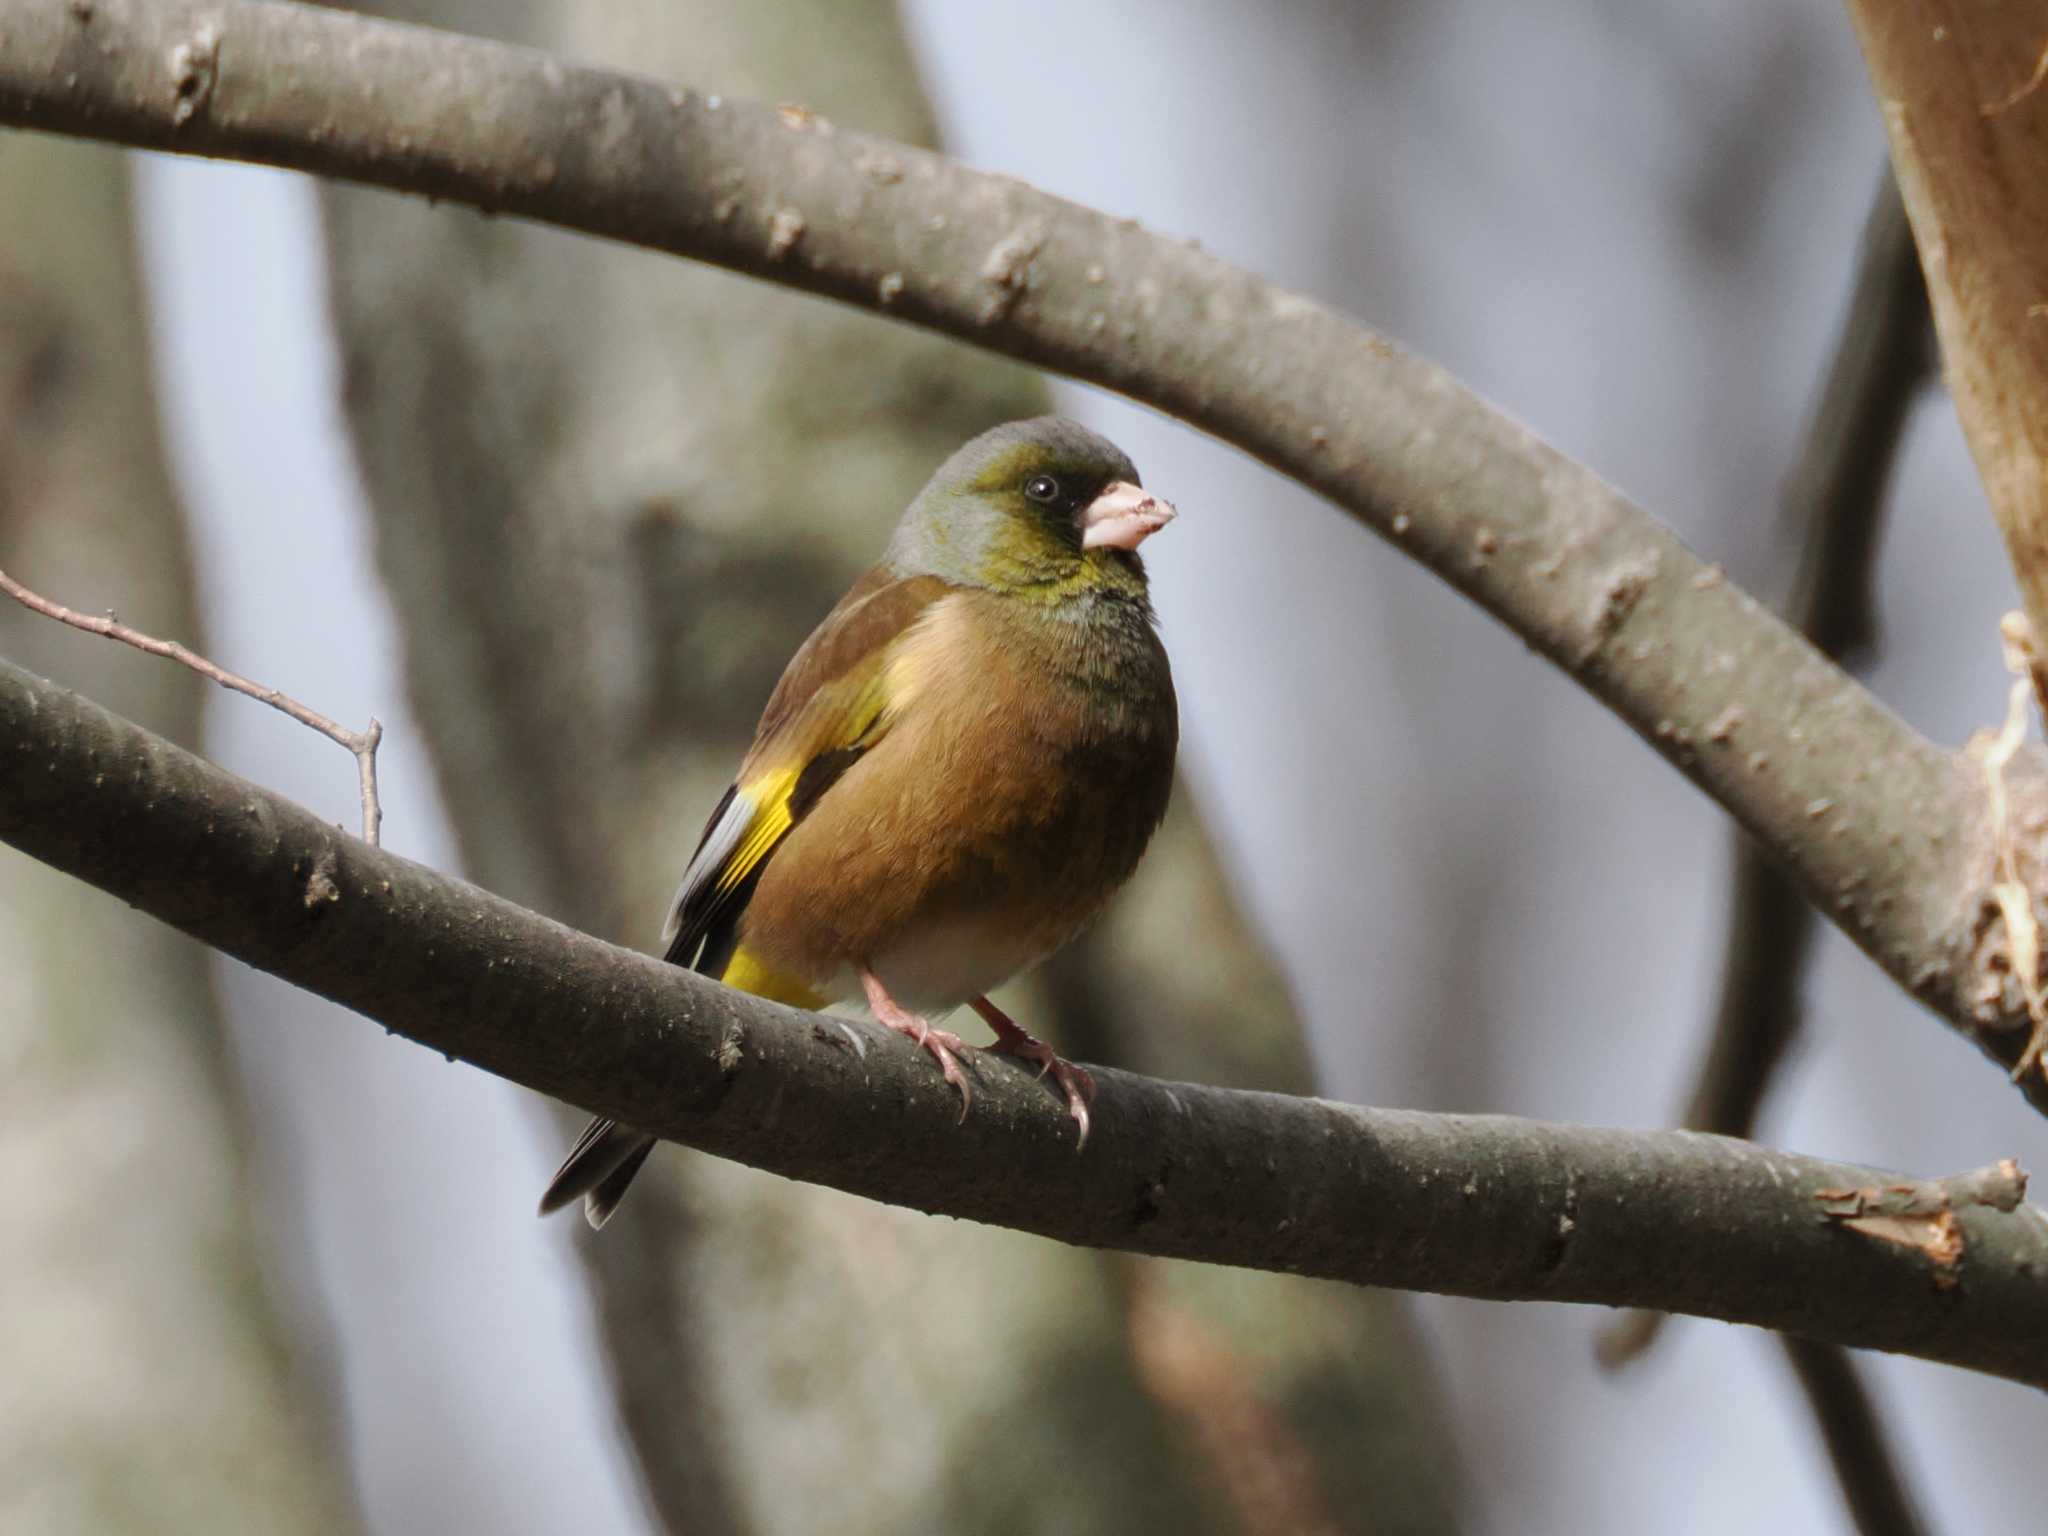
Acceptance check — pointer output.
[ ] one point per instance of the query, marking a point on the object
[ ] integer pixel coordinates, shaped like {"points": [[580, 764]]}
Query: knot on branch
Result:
{"points": [[195, 65], [1621, 589], [321, 890], [1007, 269], [1921, 1215]]}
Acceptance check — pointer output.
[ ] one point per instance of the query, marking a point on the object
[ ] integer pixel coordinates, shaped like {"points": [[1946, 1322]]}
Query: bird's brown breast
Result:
{"points": [[1029, 764]]}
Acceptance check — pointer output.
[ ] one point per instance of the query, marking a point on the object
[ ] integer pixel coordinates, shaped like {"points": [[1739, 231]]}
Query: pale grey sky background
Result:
{"points": [[1486, 893]]}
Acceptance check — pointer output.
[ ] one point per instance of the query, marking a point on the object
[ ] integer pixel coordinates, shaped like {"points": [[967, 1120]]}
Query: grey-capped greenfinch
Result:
{"points": [[958, 768]]}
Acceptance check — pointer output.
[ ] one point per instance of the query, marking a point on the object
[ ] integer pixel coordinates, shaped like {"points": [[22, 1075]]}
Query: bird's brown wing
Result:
{"points": [[831, 705]]}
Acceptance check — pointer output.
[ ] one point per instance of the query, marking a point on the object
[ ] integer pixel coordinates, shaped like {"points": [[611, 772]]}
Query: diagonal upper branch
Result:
{"points": [[1880, 828], [1475, 1205]]}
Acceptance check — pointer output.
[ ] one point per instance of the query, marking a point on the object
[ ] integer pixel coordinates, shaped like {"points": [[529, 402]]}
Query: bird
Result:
{"points": [[958, 768]]}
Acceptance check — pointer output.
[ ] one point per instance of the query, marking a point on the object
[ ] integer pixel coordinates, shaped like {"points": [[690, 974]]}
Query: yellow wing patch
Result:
{"points": [[770, 794], [854, 724], [761, 810]]}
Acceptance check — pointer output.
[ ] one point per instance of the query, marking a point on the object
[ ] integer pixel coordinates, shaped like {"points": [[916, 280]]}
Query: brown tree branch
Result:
{"points": [[1959, 82], [1878, 827], [363, 744], [1474, 1205]]}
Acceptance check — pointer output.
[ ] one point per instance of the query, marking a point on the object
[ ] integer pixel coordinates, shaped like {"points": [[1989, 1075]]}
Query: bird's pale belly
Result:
{"points": [[941, 965]]}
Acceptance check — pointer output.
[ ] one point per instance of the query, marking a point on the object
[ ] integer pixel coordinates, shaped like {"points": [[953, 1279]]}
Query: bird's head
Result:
{"points": [[1040, 507]]}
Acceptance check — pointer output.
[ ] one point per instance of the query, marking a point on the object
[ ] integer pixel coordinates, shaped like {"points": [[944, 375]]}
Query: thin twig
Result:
{"points": [[363, 744]]}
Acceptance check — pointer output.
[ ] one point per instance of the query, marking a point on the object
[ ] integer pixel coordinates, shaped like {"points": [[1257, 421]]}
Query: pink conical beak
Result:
{"points": [[1123, 516]]}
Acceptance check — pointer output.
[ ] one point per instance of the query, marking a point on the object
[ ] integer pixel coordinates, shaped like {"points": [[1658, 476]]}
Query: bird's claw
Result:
{"points": [[947, 1048], [1079, 1087], [1074, 1080]]}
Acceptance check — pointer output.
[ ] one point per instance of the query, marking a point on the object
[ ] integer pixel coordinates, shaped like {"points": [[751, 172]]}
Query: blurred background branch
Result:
{"points": [[1859, 1447], [153, 1378], [1835, 497]]}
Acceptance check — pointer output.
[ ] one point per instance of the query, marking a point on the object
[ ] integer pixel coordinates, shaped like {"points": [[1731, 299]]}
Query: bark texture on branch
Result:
{"points": [[1882, 830], [1484, 1206]]}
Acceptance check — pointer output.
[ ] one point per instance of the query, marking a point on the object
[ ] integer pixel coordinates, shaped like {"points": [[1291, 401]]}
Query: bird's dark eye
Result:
{"points": [[1042, 488]]}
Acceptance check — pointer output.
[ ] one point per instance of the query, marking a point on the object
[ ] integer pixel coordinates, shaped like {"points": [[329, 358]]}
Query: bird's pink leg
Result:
{"points": [[945, 1046], [1013, 1040]]}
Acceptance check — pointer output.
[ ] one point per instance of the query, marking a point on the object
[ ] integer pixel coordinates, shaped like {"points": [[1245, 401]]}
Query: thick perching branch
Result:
{"points": [[1483, 1206], [1881, 829]]}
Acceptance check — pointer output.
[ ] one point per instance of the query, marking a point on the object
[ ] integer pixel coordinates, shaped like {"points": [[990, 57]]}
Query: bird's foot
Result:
{"points": [[1012, 1039], [946, 1047]]}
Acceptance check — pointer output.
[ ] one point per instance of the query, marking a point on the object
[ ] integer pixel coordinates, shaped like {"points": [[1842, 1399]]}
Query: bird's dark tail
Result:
{"points": [[607, 1155], [598, 1169]]}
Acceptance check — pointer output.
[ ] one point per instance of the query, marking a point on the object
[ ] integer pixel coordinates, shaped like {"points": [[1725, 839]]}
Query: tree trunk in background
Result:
{"points": [[146, 1382], [613, 492]]}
